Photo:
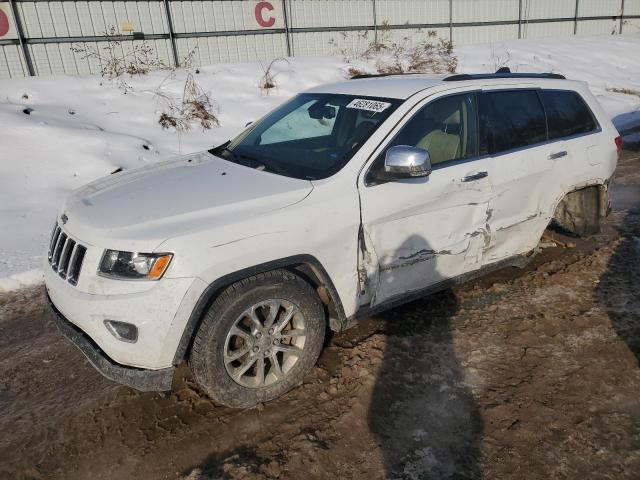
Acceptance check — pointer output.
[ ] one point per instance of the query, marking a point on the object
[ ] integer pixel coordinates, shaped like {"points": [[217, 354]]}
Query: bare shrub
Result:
{"points": [[433, 55], [167, 121], [268, 80], [116, 60], [499, 60], [429, 54], [626, 91], [188, 59], [382, 43], [344, 47], [354, 72], [195, 106]]}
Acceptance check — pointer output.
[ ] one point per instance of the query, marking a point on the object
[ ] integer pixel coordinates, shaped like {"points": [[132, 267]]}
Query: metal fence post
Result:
{"points": [[287, 30], [451, 20], [520, 19], [29, 63], [22, 38], [172, 36], [375, 22]]}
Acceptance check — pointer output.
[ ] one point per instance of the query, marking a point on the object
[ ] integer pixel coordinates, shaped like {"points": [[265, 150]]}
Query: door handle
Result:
{"points": [[556, 155], [475, 176]]}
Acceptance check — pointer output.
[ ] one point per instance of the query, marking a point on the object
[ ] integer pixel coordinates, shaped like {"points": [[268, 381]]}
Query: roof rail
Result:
{"points": [[501, 73], [376, 75], [485, 76]]}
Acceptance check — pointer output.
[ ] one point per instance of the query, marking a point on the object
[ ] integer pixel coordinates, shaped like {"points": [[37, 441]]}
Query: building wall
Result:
{"points": [[213, 31]]}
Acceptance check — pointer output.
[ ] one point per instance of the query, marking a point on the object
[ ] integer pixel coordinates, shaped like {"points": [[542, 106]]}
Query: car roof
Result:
{"points": [[402, 86], [392, 86]]}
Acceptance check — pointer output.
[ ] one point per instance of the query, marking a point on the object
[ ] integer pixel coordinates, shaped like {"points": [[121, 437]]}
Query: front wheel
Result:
{"points": [[258, 339]]}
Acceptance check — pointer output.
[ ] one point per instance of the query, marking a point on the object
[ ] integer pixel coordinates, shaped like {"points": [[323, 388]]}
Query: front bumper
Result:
{"points": [[138, 378], [160, 313]]}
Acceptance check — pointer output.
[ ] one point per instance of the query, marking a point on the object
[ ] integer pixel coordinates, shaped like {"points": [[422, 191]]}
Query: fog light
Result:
{"points": [[127, 332]]}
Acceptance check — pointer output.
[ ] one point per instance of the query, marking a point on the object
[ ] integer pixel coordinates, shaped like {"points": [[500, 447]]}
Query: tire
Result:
{"points": [[216, 341]]}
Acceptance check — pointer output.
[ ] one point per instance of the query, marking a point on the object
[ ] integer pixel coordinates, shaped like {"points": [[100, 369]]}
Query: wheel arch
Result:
{"points": [[306, 266], [581, 209]]}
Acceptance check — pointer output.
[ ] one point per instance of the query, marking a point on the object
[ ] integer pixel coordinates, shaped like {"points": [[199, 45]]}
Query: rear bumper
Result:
{"points": [[138, 378]]}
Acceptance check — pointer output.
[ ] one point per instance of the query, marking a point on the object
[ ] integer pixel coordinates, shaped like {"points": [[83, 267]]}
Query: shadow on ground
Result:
{"points": [[619, 287], [422, 413], [418, 418]]}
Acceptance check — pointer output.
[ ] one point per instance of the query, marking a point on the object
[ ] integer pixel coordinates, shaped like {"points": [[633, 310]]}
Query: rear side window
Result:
{"points": [[567, 114], [510, 119]]}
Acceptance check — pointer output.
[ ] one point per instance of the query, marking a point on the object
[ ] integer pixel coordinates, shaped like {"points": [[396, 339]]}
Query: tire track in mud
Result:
{"points": [[72, 410], [521, 373]]}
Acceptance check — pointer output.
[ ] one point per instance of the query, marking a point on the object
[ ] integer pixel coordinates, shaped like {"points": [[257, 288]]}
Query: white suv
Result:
{"points": [[348, 199]]}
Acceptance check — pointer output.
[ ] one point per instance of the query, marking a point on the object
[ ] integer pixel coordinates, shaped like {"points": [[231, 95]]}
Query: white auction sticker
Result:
{"points": [[369, 105]]}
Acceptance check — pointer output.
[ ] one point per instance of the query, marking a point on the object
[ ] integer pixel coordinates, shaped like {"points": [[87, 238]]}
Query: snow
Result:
{"points": [[605, 62], [20, 280], [81, 128]]}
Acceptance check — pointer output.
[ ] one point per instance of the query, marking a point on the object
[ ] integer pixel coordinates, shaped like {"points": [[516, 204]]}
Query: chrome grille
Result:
{"points": [[66, 256]]}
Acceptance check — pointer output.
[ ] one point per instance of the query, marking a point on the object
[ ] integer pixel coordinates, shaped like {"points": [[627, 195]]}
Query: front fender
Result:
{"points": [[215, 287]]}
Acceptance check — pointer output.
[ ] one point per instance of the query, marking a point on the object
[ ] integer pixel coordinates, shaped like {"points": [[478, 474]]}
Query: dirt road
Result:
{"points": [[529, 373]]}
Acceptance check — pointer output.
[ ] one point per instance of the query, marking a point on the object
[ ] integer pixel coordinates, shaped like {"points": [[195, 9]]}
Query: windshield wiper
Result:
{"points": [[259, 164], [221, 149], [243, 159], [227, 154]]}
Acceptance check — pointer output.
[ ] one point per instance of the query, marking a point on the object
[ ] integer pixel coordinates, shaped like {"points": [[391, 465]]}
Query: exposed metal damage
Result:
{"points": [[413, 258], [581, 212], [528, 218], [443, 250]]}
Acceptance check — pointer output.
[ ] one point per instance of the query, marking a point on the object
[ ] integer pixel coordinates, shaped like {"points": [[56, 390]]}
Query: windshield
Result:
{"points": [[312, 136]]}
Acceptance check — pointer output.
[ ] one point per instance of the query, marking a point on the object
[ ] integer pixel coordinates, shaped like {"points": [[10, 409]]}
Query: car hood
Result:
{"points": [[135, 208]]}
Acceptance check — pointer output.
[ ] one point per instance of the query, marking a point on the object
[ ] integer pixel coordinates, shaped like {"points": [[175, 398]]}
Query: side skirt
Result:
{"points": [[518, 261]]}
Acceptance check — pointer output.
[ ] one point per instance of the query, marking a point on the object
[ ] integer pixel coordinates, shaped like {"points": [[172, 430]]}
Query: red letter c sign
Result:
{"points": [[260, 18], [4, 23]]}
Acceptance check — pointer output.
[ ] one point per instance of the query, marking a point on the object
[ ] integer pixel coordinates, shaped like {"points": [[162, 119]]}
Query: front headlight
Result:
{"points": [[134, 266]]}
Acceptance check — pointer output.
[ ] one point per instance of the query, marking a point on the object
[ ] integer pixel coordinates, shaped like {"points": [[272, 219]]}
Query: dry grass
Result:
{"points": [[195, 106], [422, 52], [354, 72], [268, 80], [500, 59], [626, 91], [116, 59], [431, 54]]}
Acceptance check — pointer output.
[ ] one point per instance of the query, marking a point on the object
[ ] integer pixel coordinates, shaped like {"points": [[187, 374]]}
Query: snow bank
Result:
{"points": [[81, 128], [20, 280], [58, 133], [605, 62]]}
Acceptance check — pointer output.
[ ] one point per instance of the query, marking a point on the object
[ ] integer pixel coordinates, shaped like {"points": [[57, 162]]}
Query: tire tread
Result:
{"points": [[201, 351]]}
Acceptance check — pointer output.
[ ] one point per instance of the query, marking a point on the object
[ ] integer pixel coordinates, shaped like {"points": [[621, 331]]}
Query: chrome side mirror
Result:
{"points": [[403, 161]]}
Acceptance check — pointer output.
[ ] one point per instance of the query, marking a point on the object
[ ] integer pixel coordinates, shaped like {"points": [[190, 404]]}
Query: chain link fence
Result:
{"points": [[36, 35]]}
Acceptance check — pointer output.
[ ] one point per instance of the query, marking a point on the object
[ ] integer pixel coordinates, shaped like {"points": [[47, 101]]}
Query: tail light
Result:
{"points": [[618, 141]]}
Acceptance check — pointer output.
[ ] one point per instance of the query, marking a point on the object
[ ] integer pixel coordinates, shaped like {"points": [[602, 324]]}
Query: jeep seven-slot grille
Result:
{"points": [[66, 256]]}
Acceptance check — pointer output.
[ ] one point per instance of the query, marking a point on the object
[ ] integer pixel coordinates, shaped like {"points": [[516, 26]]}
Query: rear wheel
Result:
{"points": [[258, 339]]}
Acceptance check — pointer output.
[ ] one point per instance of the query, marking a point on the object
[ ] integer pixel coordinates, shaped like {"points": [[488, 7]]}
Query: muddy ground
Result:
{"points": [[530, 373]]}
